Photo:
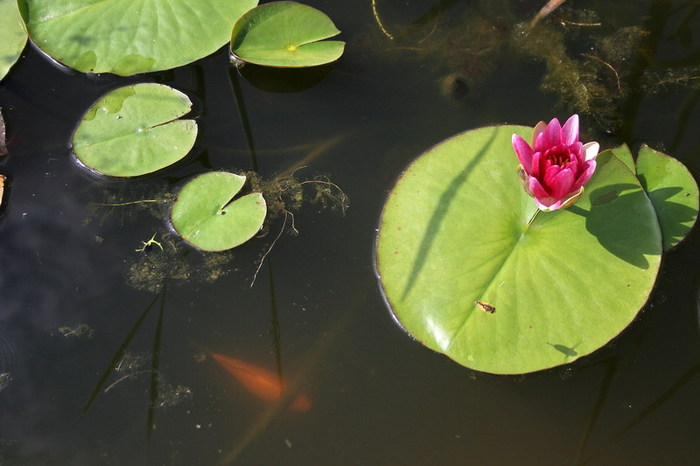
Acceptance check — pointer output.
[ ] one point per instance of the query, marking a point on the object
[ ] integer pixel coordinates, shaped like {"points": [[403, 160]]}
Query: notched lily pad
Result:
{"points": [[126, 37], [206, 214], [135, 130], [455, 234], [672, 190], [285, 34]]}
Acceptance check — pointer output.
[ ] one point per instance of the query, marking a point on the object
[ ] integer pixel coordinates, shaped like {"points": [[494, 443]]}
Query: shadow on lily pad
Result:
{"points": [[569, 351], [608, 201], [435, 222], [676, 216]]}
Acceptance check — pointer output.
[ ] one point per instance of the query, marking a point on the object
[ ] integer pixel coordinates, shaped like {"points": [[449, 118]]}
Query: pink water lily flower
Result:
{"points": [[557, 165]]}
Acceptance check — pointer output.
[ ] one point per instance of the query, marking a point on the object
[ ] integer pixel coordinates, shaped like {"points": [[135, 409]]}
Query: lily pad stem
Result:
{"points": [[532, 219]]}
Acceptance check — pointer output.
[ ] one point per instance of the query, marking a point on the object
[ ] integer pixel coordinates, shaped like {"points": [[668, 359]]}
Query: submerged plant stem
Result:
{"points": [[122, 204], [123, 378], [262, 260], [375, 13]]}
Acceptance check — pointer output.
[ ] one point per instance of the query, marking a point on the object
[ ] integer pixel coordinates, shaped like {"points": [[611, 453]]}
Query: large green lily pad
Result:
{"points": [[207, 215], [672, 190], [466, 274], [135, 130], [126, 37], [13, 35], [285, 34]]}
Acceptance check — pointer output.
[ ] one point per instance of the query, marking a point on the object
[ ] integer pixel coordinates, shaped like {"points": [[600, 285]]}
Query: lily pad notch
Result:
{"points": [[208, 215], [467, 275], [130, 37], [285, 35], [135, 130]]}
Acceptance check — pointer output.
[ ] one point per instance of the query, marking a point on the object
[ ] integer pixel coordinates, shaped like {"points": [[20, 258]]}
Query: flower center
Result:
{"points": [[558, 155]]}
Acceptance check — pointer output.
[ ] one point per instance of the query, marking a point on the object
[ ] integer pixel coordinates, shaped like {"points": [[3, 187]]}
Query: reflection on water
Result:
{"points": [[315, 312]]}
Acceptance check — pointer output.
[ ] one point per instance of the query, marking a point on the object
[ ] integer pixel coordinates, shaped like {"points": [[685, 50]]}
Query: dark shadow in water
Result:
{"points": [[610, 370], [446, 199], [243, 113], [119, 355], [155, 367], [284, 80], [598, 221], [685, 114], [433, 14], [275, 326], [658, 402]]}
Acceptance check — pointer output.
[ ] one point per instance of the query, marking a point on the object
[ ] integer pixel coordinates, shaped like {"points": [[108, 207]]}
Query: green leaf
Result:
{"points": [[126, 37], [206, 215], [13, 35], [454, 243], [623, 153], [285, 34], [672, 190], [134, 130]]}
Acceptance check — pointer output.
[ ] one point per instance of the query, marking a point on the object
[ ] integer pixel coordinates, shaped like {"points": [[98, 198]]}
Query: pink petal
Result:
{"points": [[548, 205], [560, 184], [591, 150], [539, 129], [536, 189], [523, 151], [569, 132], [552, 135], [535, 165], [548, 176], [577, 149], [586, 175]]}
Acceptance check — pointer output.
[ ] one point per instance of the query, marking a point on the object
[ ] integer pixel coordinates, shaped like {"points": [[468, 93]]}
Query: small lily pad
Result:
{"points": [[126, 37], [207, 215], [285, 34], [470, 269], [13, 35], [672, 190], [135, 130]]}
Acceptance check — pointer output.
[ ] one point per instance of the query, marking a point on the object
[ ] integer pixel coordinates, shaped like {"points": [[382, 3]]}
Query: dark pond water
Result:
{"points": [[73, 288]]}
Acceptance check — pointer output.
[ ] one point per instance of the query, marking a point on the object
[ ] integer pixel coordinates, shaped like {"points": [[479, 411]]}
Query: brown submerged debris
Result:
{"points": [[591, 66], [2, 187], [286, 194], [77, 331], [155, 265], [595, 83], [549, 7]]}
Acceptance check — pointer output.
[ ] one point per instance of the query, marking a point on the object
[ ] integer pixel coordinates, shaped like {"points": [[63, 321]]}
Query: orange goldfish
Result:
{"points": [[259, 381]]}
